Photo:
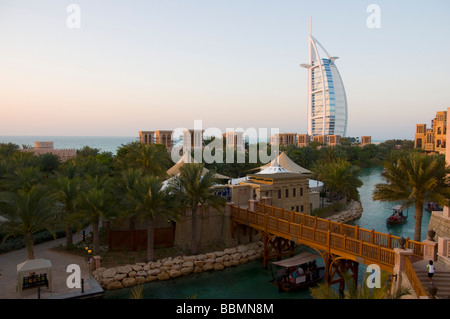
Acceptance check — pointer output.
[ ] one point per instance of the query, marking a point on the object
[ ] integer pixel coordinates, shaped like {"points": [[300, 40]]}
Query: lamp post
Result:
{"points": [[88, 257]]}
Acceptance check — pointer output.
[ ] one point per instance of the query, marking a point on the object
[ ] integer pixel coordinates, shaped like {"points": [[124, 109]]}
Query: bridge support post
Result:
{"points": [[338, 266], [276, 247], [430, 250], [399, 266]]}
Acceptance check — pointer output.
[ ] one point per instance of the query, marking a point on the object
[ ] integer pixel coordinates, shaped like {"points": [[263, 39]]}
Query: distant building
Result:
{"points": [[334, 140], [191, 138], [321, 139], [284, 139], [432, 140], [157, 137], [366, 140], [235, 140], [41, 148], [303, 140]]}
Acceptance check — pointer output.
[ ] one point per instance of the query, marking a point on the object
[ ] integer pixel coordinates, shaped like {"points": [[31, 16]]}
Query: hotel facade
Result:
{"points": [[327, 101], [434, 139]]}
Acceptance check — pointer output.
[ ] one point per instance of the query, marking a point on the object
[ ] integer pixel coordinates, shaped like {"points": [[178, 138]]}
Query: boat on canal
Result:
{"points": [[433, 207], [297, 273], [397, 217]]}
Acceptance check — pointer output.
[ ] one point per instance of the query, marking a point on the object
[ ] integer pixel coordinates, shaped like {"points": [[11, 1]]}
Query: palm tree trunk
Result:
{"points": [[29, 243], [418, 212], [69, 237], [194, 229], [95, 234], [150, 239]]}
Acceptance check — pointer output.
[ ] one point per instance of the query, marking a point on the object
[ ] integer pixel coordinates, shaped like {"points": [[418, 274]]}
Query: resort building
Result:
{"points": [[321, 139], [334, 140], [190, 138], [432, 140], [303, 140], [281, 183], [283, 139], [234, 140], [365, 140], [440, 222], [41, 148], [327, 101]]}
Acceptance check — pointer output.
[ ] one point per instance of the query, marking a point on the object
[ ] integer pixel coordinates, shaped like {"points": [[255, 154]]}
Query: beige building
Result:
{"points": [[432, 140], [321, 139], [41, 148], [191, 138], [366, 140], [235, 140], [281, 183], [303, 140], [157, 137], [334, 140], [284, 139]]}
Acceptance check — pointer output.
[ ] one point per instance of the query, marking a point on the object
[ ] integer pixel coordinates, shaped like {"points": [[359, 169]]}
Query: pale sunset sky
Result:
{"points": [[148, 65]]}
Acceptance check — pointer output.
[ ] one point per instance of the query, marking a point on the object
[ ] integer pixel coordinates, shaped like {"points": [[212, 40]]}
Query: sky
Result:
{"points": [[139, 65]]}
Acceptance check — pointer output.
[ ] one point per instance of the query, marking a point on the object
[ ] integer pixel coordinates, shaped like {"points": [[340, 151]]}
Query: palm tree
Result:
{"points": [[193, 187], [415, 179], [153, 159], [68, 192], [339, 176], [27, 212], [23, 178], [98, 203], [146, 200], [354, 291]]}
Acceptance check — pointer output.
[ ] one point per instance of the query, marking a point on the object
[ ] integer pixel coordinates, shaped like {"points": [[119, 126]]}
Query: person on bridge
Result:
{"points": [[430, 268]]}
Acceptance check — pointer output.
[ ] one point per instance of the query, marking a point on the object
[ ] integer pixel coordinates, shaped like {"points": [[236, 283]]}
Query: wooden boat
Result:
{"points": [[298, 272], [433, 207], [397, 217]]}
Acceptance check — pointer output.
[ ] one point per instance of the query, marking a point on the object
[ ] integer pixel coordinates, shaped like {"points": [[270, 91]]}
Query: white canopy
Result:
{"points": [[297, 260], [37, 266], [186, 159], [273, 168], [284, 161]]}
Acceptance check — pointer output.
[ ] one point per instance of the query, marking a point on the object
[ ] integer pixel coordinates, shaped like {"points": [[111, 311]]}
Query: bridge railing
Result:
{"points": [[323, 237], [288, 221], [414, 279]]}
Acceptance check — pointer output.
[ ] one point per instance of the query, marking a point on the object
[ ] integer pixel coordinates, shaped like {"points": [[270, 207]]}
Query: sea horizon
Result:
{"points": [[103, 143]]}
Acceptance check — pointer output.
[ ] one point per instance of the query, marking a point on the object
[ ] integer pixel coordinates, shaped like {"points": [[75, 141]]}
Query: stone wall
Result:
{"points": [[353, 211], [440, 224], [170, 268], [214, 230]]}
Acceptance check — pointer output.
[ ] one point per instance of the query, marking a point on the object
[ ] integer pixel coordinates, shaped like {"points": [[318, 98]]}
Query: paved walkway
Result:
{"points": [[59, 260]]}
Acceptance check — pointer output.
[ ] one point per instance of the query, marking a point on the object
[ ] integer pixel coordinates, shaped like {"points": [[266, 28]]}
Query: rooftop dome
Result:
{"points": [[274, 168]]}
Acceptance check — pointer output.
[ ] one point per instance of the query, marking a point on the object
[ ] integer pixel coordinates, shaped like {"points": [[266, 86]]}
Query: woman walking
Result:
{"points": [[430, 268]]}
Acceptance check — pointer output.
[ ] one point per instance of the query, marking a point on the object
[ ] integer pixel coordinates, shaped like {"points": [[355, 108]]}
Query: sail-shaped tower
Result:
{"points": [[327, 101]]}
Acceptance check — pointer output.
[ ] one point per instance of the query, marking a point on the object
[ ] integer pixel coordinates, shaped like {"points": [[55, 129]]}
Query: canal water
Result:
{"points": [[251, 280]]}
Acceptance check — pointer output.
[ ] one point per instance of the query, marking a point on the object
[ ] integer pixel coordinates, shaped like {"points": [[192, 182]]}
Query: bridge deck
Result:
{"points": [[351, 242]]}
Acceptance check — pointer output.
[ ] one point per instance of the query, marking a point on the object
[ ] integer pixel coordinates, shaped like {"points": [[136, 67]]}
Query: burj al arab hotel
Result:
{"points": [[327, 101]]}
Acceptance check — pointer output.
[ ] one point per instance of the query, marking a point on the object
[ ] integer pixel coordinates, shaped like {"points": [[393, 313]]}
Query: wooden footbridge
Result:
{"points": [[341, 246]]}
